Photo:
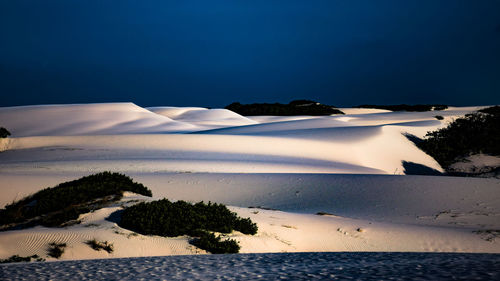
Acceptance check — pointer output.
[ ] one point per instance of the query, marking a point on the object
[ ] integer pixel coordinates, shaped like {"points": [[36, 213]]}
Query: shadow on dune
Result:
{"points": [[411, 168], [115, 217]]}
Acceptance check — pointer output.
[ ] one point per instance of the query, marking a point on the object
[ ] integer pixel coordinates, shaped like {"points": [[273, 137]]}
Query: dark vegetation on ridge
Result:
{"points": [[406, 107], [297, 107], [17, 258], [213, 244], [475, 133], [56, 206], [4, 133], [165, 218]]}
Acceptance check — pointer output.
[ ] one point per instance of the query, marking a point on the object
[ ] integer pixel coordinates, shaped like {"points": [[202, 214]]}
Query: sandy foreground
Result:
{"points": [[279, 171]]}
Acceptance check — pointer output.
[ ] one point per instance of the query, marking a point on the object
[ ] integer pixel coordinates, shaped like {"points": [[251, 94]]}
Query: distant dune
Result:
{"points": [[203, 117]]}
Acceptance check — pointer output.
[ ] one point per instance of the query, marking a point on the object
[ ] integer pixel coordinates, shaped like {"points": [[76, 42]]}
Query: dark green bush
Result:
{"points": [[17, 258], [406, 107], [439, 117], [494, 110], [475, 133], [66, 201], [56, 249], [298, 107], [172, 219], [209, 242], [4, 133], [245, 225]]}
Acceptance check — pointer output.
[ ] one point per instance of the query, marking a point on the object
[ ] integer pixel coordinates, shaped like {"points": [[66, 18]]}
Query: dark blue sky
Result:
{"points": [[211, 53]]}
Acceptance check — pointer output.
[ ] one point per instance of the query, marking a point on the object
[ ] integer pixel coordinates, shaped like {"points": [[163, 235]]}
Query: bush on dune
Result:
{"points": [[56, 250], [475, 133], [100, 245], [165, 218], [214, 244], [297, 107], [66, 201], [4, 133], [172, 219], [17, 258]]}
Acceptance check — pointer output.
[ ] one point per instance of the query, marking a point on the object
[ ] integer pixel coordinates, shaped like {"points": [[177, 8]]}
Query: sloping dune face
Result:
{"points": [[134, 139], [86, 119], [203, 117]]}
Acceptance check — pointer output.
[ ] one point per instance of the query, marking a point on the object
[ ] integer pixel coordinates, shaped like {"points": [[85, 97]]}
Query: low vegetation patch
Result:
{"points": [[171, 219], [59, 205], [489, 235], [214, 244], [17, 258], [100, 245], [478, 132], [297, 107], [406, 107], [4, 133], [56, 249], [324, 214]]}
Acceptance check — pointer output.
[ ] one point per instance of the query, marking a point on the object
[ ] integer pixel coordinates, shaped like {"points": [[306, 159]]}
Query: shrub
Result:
{"points": [[66, 201], [56, 249], [439, 117], [297, 107], [209, 242], [172, 219], [17, 258], [4, 133], [245, 225], [494, 110], [478, 132], [100, 245]]}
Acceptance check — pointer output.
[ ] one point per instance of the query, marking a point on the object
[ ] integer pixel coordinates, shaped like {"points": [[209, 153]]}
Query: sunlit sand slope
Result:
{"points": [[86, 119]]}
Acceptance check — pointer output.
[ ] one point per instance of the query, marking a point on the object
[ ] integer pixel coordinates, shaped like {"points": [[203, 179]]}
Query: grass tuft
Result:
{"points": [[100, 245]]}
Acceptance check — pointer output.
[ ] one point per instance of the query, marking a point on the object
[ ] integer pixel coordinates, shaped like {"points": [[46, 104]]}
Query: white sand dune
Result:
{"points": [[372, 150], [86, 119], [203, 117], [344, 165]]}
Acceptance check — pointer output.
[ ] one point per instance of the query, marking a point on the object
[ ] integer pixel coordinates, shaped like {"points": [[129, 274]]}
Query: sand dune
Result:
{"points": [[345, 166], [86, 119], [203, 117], [343, 150]]}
